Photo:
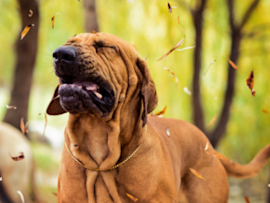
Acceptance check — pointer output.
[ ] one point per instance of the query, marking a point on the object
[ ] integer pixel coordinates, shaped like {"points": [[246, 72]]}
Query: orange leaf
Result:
{"points": [[250, 83], [233, 64], [213, 120], [174, 78], [162, 112], [134, 199], [247, 200], [196, 173], [53, 18], [26, 30], [265, 111], [30, 13], [22, 126], [18, 158], [11, 107], [175, 47], [94, 32], [181, 26]]}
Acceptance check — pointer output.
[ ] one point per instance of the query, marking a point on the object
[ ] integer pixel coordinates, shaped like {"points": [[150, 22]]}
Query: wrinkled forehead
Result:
{"points": [[99, 39]]}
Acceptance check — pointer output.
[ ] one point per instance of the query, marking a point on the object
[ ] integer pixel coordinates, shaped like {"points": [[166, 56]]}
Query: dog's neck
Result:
{"points": [[96, 143]]}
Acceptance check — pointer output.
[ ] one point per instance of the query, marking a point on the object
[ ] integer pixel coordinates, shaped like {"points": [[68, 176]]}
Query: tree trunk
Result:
{"points": [[197, 109], [91, 23], [26, 50]]}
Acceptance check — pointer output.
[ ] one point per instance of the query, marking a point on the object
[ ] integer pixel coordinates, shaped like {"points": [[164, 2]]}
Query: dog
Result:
{"points": [[113, 151]]}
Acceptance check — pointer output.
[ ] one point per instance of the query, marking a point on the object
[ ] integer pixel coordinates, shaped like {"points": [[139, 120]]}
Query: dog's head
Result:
{"points": [[95, 73]]}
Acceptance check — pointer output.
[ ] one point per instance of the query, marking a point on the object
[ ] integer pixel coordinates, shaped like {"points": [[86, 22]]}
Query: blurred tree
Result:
{"points": [[91, 22], [236, 36], [26, 50]]}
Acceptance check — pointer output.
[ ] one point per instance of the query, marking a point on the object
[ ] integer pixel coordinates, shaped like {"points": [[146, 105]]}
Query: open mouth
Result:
{"points": [[88, 94]]}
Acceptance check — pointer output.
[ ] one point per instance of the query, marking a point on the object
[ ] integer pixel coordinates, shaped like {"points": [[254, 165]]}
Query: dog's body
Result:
{"points": [[103, 83]]}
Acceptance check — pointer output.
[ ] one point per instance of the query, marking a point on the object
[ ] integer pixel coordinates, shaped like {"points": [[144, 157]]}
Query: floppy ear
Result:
{"points": [[148, 90], [54, 107]]}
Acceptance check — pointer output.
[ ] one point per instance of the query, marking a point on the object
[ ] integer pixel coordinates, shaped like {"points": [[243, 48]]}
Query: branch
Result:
{"points": [[231, 13], [247, 15]]}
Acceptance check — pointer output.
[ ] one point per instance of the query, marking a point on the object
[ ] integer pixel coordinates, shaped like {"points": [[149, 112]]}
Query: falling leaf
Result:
{"points": [[206, 146], [168, 132], [45, 126], [186, 90], [94, 32], [209, 66], [22, 126], [185, 48], [11, 107], [250, 83], [146, 57], [30, 13], [53, 19], [265, 111], [174, 78], [26, 30], [170, 8], [18, 158], [196, 173], [213, 120], [181, 26], [21, 195], [175, 47], [134, 199], [246, 199], [162, 112], [233, 64]]}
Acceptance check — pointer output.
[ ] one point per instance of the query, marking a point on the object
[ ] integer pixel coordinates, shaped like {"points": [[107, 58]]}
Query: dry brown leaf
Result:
{"points": [[265, 111], [21, 195], [196, 173], [174, 77], [246, 199], [209, 67], [18, 158], [22, 126], [170, 8], [250, 83], [53, 18], [30, 13], [11, 107], [175, 47], [162, 112], [213, 120], [45, 126], [134, 199], [26, 30], [181, 26], [233, 64], [168, 132]]}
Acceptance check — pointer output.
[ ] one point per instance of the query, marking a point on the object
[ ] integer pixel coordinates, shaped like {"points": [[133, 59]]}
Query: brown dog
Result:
{"points": [[113, 152]]}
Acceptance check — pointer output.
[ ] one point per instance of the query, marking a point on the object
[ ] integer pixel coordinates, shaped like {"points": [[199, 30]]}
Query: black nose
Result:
{"points": [[64, 54]]}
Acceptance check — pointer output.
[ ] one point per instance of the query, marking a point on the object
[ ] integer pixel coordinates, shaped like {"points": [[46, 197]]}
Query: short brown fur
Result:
{"points": [[159, 171]]}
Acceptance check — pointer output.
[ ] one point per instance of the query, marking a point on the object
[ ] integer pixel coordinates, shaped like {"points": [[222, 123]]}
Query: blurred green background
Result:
{"points": [[154, 31]]}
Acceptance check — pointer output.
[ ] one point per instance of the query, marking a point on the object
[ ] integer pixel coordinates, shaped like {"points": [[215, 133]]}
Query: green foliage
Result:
{"points": [[154, 31]]}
